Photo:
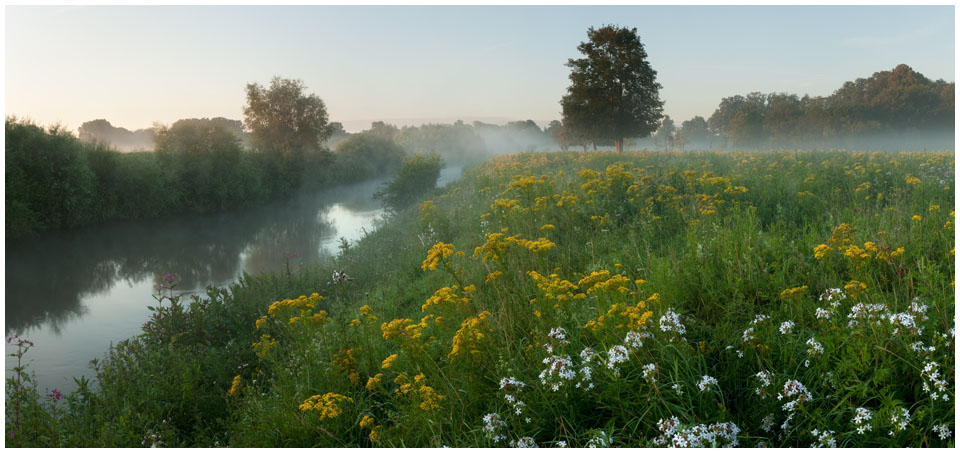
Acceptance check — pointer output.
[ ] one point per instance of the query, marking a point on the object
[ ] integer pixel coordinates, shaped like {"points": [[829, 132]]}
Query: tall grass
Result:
{"points": [[793, 298]]}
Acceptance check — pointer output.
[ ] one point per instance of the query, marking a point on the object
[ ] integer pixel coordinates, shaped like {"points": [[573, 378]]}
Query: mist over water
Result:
{"points": [[73, 293]]}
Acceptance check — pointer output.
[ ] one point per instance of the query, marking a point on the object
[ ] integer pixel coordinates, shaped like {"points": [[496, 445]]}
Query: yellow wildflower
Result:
{"points": [[794, 293], [366, 421], [470, 335], [821, 251], [264, 345], [374, 382], [418, 389], [446, 296], [854, 288], [328, 405], [235, 387], [842, 235], [435, 255], [389, 361]]}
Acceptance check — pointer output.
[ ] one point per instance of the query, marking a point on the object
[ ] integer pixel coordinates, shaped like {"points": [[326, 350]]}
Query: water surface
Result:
{"points": [[74, 293]]}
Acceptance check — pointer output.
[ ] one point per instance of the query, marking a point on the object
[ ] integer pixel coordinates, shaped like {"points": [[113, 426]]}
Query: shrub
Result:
{"points": [[418, 175], [367, 155]]}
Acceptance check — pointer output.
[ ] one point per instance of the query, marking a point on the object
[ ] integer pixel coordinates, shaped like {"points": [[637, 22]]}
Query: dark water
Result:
{"points": [[74, 293]]}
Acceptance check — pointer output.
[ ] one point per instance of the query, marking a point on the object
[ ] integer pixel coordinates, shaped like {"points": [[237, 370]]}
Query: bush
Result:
{"points": [[48, 181], [367, 155], [418, 175]]}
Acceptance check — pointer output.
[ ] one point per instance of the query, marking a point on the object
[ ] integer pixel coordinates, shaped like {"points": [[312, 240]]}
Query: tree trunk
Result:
{"points": [[594, 146]]}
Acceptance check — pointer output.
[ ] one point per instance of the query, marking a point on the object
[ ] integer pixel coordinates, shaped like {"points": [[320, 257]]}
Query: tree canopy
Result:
{"points": [[886, 104], [283, 119], [613, 92]]}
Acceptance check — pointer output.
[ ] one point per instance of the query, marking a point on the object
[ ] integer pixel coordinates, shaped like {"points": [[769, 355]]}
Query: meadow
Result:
{"points": [[743, 299]]}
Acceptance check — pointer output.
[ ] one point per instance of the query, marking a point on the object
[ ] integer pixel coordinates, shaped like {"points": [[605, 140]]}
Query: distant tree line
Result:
{"points": [[457, 144], [899, 108], [102, 131]]}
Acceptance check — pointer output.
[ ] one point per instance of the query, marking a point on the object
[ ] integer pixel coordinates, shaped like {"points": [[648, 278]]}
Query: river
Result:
{"points": [[74, 293]]}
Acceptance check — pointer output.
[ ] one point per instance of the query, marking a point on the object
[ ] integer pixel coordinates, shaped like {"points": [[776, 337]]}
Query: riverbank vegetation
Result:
{"points": [[776, 298], [55, 180]]}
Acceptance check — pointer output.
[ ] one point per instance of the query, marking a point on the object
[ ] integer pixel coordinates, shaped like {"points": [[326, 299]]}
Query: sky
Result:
{"points": [[140, 65]]}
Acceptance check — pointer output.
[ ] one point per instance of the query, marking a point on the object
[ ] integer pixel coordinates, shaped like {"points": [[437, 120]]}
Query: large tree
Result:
{"points": [[283, 119], [614, 92]]}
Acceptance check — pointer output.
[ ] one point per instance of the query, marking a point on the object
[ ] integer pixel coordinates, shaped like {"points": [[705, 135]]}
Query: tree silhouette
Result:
{"points": [[613, 92]]}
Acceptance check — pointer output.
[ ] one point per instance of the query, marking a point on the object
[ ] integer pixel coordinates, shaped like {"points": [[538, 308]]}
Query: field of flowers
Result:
{"points": [[793, 298]]}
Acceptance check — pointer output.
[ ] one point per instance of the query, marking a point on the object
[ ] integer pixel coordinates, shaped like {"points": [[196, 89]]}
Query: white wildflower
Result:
{"points": [[699, 436], [632, 340], [512, 387], [861, 419], [791, 389], [899, 419], [866, 313], [599, 440], [786, 327], [767, 423], [559, 370], [823, 314], [617, 354], [587, 355], [833, 296], [491, 424], [523, 442], [943, 431], [824, 439], [648, 372], [670, 322], [558, 332], [706, 383], [815, 346], [920, 348], [766, 378], [932, 383]]}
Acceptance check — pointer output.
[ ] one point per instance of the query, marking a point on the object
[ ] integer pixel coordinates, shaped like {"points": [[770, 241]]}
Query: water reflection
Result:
{"points": [[75, 293], [48, 277]]}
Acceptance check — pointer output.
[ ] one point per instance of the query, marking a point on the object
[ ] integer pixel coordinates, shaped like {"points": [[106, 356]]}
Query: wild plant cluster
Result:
{"points": [[648, 299], [684, 299]]}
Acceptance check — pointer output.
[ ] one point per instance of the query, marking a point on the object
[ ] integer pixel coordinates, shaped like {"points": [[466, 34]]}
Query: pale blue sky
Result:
{"points": [[136, 65]]}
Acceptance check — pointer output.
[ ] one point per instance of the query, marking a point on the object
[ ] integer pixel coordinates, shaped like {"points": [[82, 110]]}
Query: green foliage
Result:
{"points": [[56, 181], [48, 182], [613, 92], [282, 119], [694, 287], [890, 109], [417, 176], [367, 155], [208, 162]]}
